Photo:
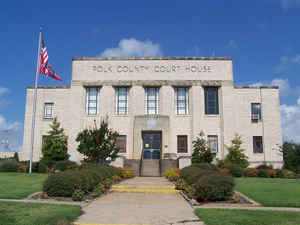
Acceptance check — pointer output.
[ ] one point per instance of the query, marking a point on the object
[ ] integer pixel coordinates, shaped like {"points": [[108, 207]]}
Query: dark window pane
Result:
{"points": [[182, 144], [257, 144], [255, 111], [211, 100]]}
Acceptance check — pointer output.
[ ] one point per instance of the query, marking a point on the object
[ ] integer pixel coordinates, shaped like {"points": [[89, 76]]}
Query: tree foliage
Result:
{"points": [[291, 156], [236, 153], [98, 144], [201, 153], [55, 144]]}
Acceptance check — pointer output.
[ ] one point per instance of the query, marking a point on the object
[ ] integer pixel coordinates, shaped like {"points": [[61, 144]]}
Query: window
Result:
{"points": [[92, 98], [255, 111], [211, 100], [182, 145], [43, 139], [151, 100], [258, 144], [122, 94], [48, 110], [181, 100], [121, 143], [212, 143]]}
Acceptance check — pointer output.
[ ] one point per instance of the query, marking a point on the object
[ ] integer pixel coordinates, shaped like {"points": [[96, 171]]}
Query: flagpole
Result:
{"points": [[34, 100]]}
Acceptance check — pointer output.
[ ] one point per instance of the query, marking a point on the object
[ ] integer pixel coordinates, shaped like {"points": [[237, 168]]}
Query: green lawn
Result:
{"points": [[19, 213], [270, 191], [247, 217], [20, 185]]}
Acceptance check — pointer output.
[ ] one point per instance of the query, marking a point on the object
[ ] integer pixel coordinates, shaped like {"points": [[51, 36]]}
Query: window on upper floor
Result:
{"points": [[258, 144], [92, 100], [255, 111], [212, 143], [48, 110], [151, 100], [211, 100], [181, 100], [121, 143], [182, 144], [122, 97]]}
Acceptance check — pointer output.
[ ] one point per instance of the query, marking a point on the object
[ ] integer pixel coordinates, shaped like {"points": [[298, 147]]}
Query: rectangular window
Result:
{"points": [[151, 100], [48, 110], [255, 111], [211, 100], [212, 143], [122, 94], [258, 144], [182, 144], [92, 99], [121, 143], [43, 139], [181, 100]]}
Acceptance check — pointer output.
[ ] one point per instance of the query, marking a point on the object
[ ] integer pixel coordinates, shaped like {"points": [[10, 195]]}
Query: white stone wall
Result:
{"points": [[234, 103]]}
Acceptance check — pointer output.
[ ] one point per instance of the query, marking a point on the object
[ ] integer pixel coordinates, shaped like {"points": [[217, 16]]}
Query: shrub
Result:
{"points": [[64, 165], [191, 174], [264, 167], [236, 153], [9, 166], [78, 195], [42, 168], [97, 192], [206, 166], [171, 175], [22, 169], [279, 174], [289, 174], [201, 153], [272, 173], [190, 191], [224, 171], [251, 172], [107, 183], [235, 170], [214, 187], [180, 184], [263, 173], [124, 173], [116, 179]]}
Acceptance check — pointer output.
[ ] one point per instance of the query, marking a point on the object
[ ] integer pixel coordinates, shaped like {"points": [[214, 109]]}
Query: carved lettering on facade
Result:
{"points": [[194, 68]]}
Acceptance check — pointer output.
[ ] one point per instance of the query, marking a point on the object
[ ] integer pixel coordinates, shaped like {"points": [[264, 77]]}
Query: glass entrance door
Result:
{"points": [[151, 145]]}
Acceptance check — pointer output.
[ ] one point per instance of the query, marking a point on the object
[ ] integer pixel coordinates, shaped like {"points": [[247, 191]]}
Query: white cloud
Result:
{"points": [[290, 119], [284, 85], [232, 44], [286, 63], [132, 47], [4, 90], [287, 4]]}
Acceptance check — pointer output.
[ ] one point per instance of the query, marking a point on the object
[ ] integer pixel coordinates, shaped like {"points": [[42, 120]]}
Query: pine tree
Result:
{"points": [[236, 153], [201, 153], [97, 145], [55, 146]]}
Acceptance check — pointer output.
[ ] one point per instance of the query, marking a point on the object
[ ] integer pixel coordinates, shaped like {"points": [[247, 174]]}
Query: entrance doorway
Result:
{"points": [[151, 144]]}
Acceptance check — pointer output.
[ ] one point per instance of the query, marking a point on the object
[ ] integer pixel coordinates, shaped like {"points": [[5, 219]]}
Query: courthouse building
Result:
{"points": [[158, 106]]}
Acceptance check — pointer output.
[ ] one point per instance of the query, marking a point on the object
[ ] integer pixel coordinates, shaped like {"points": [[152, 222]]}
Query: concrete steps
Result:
{"points": [[154, 189], [150, 168]]}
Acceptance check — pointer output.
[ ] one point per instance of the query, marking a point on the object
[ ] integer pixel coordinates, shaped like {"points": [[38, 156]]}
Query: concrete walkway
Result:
{"points": [[140, 208]]}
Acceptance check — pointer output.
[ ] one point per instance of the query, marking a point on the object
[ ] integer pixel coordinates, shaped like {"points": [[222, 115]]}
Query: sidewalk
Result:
{"points": [[140, 208]]}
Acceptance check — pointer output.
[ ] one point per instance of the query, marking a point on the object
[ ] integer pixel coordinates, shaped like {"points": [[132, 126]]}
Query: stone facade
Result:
{"points": [[234, 105]]}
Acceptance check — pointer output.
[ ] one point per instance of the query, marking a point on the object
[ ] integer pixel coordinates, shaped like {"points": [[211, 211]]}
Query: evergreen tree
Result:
{"points": [[97, 145], [201, 153], [236, 153], [55, 144]]}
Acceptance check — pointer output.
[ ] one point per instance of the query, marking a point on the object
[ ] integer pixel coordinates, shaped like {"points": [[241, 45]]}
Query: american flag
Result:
{"points": [[45, 68]]}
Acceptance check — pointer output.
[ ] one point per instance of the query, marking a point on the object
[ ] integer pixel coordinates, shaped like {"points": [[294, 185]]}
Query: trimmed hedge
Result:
{"points": [[191, 174], [64, 184], [64, 165], [206, 166], [235, 170], [9, 166]]}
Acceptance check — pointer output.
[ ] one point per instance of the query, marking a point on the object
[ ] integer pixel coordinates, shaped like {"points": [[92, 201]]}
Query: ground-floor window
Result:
{"points": [[182, 144], [121, 143], [212, 142], [258, 144]]}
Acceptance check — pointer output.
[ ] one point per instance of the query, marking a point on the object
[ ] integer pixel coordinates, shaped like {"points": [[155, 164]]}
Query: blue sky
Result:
{"points": [[262, 36]]}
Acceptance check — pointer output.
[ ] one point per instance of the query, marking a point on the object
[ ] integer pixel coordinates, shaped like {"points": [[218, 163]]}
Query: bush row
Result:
{"points": [[84, 180]]}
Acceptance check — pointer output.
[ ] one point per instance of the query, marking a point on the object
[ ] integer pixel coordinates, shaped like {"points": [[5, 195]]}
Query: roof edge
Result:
{"points": [[49, 87], [256, 87], [147, 58]]}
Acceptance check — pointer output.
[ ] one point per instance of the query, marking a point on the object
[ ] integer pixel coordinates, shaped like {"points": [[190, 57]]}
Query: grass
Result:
{"points": [[19, 213], [20, 185], [247, 217], [271, 192]]}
